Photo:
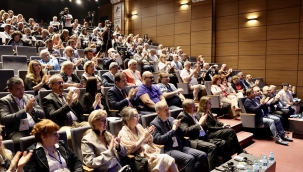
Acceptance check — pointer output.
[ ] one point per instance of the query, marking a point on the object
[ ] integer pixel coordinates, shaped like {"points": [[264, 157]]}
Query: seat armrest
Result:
{"points": [[113, 113], [87, 169], [248, 120], [185, 87]]}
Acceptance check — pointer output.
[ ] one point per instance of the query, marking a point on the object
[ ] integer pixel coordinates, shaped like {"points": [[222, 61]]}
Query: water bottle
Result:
{"points": [[256, 167], [247, 171], [271, 158], [264, 163]]}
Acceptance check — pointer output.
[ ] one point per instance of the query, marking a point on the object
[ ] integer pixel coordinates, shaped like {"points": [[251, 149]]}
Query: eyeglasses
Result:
{"points": [[150, 77], [102, 120], [164, 76], [55, 134], [72, 51], [136, 116], [58, 83]]}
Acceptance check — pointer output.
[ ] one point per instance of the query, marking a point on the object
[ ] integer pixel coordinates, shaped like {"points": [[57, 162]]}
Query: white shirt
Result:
{"points": [[162, 67], [74, 117], [4, 36], [21, 105], [53, 163], [184, 73], [137, 80], [154, 58], [68, 23]]}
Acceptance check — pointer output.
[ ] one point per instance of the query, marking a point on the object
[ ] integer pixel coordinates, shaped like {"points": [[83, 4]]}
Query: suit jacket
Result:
{"points": [[56, 111], [75, 78], [106, 62], [163, 136], [190, 128], [243, 83], [11, 115], [252, 107], [116, 100], [130, 78], [211, 124], [108, 79], [88, 101]]}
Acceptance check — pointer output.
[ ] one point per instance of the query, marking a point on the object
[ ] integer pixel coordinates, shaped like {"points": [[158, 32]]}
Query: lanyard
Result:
{"points": [[59, 160]]}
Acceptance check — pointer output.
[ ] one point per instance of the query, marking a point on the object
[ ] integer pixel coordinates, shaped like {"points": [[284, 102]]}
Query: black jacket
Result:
{"points": [[211, 124], [116, 100], [38, 161], [75, 78]]}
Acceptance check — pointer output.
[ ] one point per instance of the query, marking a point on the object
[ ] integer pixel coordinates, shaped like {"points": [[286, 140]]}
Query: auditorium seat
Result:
{"points": [[40, 49], [35, 58], [100, 63], [77, 135], [6, 50], [3, 94], [261, 82], [185, 86], [22, 74], [156, 68], [9, 144], [27, 51], [79, 73], [5, 75], [81, 53], [53, 72], [101, 72], [192, 59], [115, 127], [14, 62], [174, 113], [61, 51], [111, 112], [147, 119]]}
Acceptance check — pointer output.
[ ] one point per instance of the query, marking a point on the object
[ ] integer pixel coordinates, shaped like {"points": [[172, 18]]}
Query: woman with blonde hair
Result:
{"points": [[5, 155], [164, 65], [57, 42], [100, 149], [138, 140], [36, 79]]}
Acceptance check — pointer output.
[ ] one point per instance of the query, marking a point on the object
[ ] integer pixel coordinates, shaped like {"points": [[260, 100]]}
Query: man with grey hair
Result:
{"points": [[175, 63], [242, 81], [250, 82], [143, 59], [48, 62], [189, 75], [108, 78], [19, 111], [133, 76], [44, 35], [68, 54], [67, 73], [168, 133], [49, 47]]}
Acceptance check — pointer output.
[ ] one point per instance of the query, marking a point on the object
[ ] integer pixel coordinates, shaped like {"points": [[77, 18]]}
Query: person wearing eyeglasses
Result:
{"points": [[63, 108], [50, 153], [69, 55], [70, 79]]}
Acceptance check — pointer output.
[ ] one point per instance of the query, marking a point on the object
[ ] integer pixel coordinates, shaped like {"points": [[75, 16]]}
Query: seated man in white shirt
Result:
{"points": [[6, 34], [190, 76], [176, 64]]}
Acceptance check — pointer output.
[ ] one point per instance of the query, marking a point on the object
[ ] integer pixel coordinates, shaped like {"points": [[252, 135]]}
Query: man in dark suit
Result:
{"points": [[19, 111], [260, 108], [192, 128], [69, 78], [168, 133], [120, 96], [108, 78], [242, 81], [63, 108]]}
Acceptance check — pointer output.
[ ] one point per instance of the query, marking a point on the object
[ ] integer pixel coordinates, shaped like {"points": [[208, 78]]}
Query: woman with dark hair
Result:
{"points": [[91, 99], [89, 71], [17, 39], [36, 78], [50, 154]]}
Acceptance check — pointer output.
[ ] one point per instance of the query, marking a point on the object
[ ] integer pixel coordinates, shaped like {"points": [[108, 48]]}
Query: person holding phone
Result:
{"points": [[218, 129]]}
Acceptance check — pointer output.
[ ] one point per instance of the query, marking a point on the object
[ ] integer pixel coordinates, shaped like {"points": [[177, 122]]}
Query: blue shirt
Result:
{"points": [[154, 93], [53, 62]]}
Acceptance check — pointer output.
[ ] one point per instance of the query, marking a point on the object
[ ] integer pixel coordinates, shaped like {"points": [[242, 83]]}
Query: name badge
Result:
{"points": [[202, 133], [24, 125], [175, 142]]}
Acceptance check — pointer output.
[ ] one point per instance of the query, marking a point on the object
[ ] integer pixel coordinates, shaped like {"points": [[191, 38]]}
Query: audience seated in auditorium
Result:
{"points": [[112, 57], [57, 42], [68, 55], [27, 37], [176, 64], [48, 62], [17, 39], [63, 108], [153, 56], [64, 35], [100, 149], [200, 59], [19, 111], [6, 33], [133, 76], [286, 97], [164, 65], [216, 129], [236, 85], [92, 99], [253, 104], [192, 127], [50, 154], [242, 81], [225, 94], [120, 96], [184, 58], [72, 43], [36, 79], [108, 78], [148, 94], [211, 71], [70, 79], [89, 71], [143, 59], [188, 76], [171, 94], [168, 133], [139, 140], [53, 52], [225, 71]]}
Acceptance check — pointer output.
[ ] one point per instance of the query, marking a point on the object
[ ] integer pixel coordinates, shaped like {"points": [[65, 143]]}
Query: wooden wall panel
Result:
{"points": [[251, 62], [204, 49], [288, 46], [204, 24], [180, 7], [246, 6], [276, 4], [167, 41], [166, 30], [182, 40], [185, 48], [256, 73], [134, 5], [163, 1], [232, 61], [201, 37], [301, 29], [261, 19], [252, 33], [283, 31], [151, 31], [300, 80], [149, 11], [299, 91], [228, 22], [148, 3], [301, 46], [276, 77], [228, 35], [165, 8], [226, 9], [224, 1], [252, 48], [300, 62], [182, 27], [279, 16], [197, 11], [285, 62], [149, 22], [205, 2], [136, 23], [227, 49], [182, 16], [166, 19]]}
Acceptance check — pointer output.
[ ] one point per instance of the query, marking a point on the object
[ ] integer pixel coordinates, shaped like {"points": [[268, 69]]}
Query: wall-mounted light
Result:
{"points": [[134, 14], [252, 19], [184, 3]]}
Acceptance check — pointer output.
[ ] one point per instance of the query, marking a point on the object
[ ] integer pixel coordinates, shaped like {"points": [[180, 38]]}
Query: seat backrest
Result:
{"points": [[139, 67], [3, 94], [6, 50], [179, 77], [26, 142], [235, 72], [100, 63], [208, 87], [9, 144], [52, 72], [101, 72], [147, 119], [82, 92], [192, 59], [156, 67], [14, 62], [77, 135], [40, 49], [174, 113], [61, 51], [5, 75], [22, 74], [27, 51], [35, 58], [81, 53], [41, 95], [115, 126], [79, 73], [104, 92], [31, 92], [241, 104]]}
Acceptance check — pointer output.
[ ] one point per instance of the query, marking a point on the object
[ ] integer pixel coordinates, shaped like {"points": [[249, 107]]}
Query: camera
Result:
{"points": [[63, 13], [109, 24], [93, 13]]}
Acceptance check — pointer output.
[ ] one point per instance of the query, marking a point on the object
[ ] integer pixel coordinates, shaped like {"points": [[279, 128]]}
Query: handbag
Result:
{"points": [[141, 164]]}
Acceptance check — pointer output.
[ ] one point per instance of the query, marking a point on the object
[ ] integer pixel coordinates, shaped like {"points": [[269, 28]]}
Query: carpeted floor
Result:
{"points": [[288, 158]]}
